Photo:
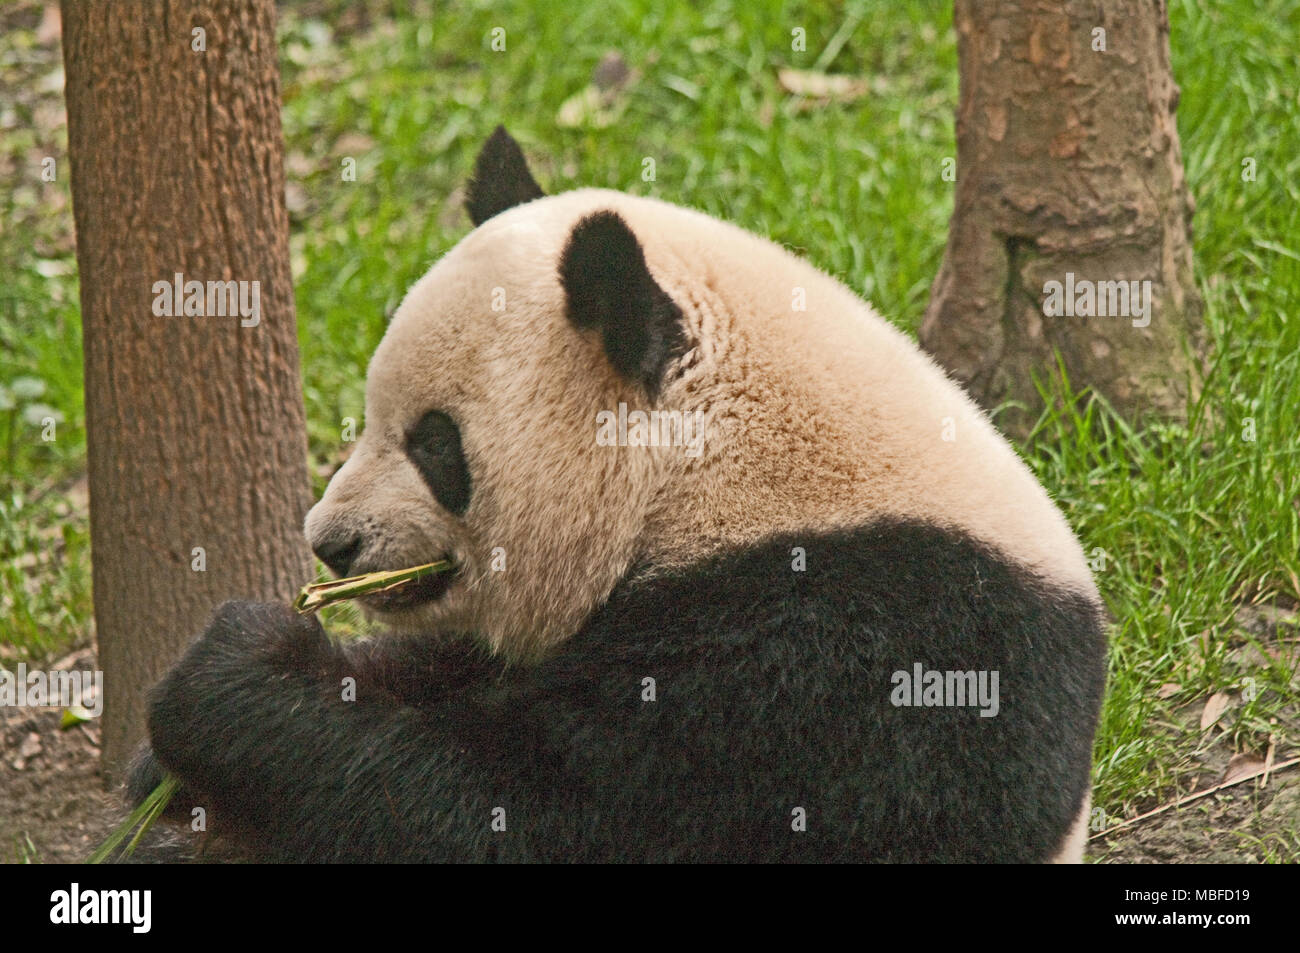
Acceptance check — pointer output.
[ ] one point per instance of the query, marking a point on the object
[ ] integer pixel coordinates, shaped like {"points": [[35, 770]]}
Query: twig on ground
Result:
{"points": [[1197, 794]]}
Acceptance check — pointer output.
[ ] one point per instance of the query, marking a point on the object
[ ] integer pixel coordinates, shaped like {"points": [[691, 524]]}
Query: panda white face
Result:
{"points": [[480, 446], [482, 402]]}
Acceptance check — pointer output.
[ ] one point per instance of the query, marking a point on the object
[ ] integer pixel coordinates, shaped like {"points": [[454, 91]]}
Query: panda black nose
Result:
{"points": [[338, 552]]}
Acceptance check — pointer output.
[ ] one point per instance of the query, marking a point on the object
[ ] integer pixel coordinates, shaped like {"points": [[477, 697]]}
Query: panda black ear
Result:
{"points": [[501, 179], [609, 288]]}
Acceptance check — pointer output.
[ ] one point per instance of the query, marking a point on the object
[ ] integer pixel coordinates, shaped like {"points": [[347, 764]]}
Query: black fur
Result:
{"points": [[773, 693], [609, 288], [433, 445], [338, 550], [501, 179]]}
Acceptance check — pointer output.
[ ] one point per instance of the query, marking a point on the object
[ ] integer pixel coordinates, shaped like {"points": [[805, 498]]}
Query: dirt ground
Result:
{"points": [[1246, 823], [53, 807], [1255, 821]]}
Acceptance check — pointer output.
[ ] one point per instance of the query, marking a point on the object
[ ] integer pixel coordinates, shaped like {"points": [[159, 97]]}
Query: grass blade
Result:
{"points": [[142, 817]]}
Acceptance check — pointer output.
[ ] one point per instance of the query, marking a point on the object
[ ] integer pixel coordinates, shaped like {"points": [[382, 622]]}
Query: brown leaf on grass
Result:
{"points": [[51, 27], [1240, 766], [299, 165], [1168, 690], [353, 144], [602, 102], [839, 88], [296, 198], [1215, 706], [589, 107], [611, 72]]}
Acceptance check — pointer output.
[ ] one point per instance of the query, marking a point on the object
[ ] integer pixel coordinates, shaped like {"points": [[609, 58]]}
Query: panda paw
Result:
{"points": [[144, 775], [239, 672], [243, 635]]}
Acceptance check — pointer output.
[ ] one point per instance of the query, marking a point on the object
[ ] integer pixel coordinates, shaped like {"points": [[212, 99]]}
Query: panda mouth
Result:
{"points": [[419, 592]]}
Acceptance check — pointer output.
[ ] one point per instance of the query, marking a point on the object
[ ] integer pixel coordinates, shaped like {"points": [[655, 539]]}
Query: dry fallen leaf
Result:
{"points": [[588, 107], [353, 144], [1214, 709], [296, 198], [1241, 765], [31, 746], [611, 72], [602, 102], [822, 85], [1168, 690], [29, 749], [51, 26]]}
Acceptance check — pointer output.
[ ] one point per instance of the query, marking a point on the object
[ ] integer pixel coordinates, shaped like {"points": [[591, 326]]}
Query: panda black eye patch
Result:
{"points": [[433, 445]]}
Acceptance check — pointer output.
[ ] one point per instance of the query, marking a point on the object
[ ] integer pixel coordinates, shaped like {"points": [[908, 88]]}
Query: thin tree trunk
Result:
{"points": [[196, 439], [1069, 171]]}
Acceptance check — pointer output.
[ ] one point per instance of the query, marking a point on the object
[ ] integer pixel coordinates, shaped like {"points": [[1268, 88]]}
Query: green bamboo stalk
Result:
{"points": [[321, 594]]}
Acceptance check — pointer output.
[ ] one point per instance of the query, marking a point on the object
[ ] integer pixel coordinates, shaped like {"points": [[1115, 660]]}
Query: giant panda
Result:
{"points": [[721, 650]]}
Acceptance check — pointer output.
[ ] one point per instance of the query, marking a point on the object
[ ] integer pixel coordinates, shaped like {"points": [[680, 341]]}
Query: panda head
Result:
{"points": [[485, 400], [480, 441]]}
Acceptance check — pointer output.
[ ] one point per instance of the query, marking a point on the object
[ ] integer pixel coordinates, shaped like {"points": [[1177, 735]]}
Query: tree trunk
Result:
{"points": [[1069, 171], [194, 421]]}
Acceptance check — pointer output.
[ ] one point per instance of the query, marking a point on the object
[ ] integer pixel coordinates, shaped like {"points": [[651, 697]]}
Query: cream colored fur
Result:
{"points": [[816, 419], [1071, 849]]}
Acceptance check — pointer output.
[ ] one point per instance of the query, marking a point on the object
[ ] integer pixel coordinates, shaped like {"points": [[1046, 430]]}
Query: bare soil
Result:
{"points": [[53, 806]]}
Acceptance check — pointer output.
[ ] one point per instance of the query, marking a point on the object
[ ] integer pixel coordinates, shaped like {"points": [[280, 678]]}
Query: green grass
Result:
{"points": [[706, 107], [1281, 847], [1193, 519]]}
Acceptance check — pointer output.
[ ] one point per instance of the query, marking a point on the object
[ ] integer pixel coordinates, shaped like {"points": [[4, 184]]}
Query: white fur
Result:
{"points": [[1071, 849], [816, 419]]}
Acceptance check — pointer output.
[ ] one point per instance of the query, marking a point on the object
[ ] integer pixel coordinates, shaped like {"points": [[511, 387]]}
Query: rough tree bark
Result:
{"points": [[1068, 164], [194, 422]]}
